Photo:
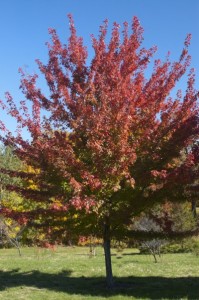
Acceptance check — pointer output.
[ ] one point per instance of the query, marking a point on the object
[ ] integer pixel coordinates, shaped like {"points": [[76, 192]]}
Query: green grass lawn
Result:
{"points": [[69, 273]]}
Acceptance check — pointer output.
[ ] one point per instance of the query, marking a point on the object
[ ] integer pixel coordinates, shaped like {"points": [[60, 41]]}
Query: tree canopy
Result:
{"points": [[107, 141]]}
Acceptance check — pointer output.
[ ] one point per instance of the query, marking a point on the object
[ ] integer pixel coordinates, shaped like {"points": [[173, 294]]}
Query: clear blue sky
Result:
{"points": [[24, 29]]}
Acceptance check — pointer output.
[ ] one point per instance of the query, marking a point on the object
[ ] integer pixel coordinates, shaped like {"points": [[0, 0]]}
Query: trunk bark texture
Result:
{"points": [[107, 253], [193, 208]]}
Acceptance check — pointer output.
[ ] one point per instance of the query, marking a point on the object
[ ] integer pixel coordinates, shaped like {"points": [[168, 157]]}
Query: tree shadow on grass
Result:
{"points": [[139, 287]]}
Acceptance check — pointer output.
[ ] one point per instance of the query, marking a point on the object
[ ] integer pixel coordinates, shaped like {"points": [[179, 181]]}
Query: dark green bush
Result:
{"points": [[190, 245]]}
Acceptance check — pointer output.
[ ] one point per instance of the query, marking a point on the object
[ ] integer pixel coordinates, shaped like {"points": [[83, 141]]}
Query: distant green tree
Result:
{"points": [[162, 220], [10, 230]]}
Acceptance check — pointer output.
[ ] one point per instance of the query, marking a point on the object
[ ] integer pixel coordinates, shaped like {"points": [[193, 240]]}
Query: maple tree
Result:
{"points": [[106, 139]]}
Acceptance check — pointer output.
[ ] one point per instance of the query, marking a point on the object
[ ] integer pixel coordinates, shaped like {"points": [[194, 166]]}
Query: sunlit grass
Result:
{"points": [[69, 273]]}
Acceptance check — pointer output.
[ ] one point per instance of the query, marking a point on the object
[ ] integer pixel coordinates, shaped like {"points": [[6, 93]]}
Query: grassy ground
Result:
{"points": [[69, 273]]}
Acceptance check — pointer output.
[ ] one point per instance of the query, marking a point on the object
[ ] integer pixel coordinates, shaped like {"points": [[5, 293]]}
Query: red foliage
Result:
{"points": [[109, 133], [49, 246]]}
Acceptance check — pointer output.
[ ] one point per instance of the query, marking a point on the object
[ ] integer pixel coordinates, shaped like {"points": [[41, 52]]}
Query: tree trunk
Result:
{"points": [[154, 256], [19, 250], [193, 208], [107, 253]]}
